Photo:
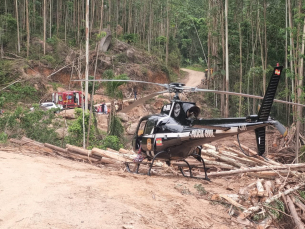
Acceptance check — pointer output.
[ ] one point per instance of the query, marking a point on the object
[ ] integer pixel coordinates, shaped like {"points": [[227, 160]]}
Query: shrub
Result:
{"points": [[112, 142]]}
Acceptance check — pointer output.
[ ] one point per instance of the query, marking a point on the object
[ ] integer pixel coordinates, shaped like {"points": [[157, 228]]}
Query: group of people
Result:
{"points": [[102, 109]]}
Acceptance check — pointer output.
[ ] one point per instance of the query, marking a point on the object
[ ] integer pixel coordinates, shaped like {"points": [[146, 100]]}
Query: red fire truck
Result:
{"points": [[68, 99]]}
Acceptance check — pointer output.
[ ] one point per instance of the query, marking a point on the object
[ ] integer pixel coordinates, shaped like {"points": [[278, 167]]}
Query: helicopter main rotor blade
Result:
{"points": [[134, 81], [243, 95], [140, 101]]}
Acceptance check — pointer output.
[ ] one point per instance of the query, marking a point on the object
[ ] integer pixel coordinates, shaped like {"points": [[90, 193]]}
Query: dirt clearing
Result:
{"points": [[39, 191]]}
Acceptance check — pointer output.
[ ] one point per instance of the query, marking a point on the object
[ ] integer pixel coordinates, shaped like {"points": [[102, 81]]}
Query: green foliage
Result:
{"points": [[33, 124], [276, 208], [20, 92], [116, 128], [161, 40], [90, 85], [52, 40], [196, 67], [48, 59], [100, 35], [112, 86], [75, 130], [130, 38], [2, 99], [8, 31], [108, 74], [111, 141], [5, 71], [3, 137], [201, 190]]}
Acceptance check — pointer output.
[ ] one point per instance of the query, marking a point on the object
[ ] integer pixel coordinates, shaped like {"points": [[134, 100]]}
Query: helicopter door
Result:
{"points": [[139, 134], [56, 98]]}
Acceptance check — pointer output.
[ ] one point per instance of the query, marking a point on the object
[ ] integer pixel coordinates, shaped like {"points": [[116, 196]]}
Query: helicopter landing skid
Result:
{"points": [[143, 163], [190, 171]]}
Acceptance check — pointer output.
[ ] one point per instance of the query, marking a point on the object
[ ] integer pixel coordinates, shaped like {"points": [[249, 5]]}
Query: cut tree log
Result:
{"points": [[260, 188], [108, 154], [19, 142], [241, 159], [33, 142], [81, 151], [124, 151], [229, 199], [210, 146], [207, 163], [298, 222], [258, 169], [56, 148], [228, 160], [269, 188], [298, 203], [258, 159]]}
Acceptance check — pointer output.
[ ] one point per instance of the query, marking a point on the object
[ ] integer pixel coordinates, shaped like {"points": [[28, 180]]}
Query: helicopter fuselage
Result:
{"points": [[163, 133]]}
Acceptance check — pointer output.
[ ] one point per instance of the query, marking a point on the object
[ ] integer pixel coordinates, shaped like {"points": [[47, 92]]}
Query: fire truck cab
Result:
{"points": [[68, 99]]}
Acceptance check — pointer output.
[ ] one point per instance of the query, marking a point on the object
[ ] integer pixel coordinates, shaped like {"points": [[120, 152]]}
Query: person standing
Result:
{"points": [[135, 92], [102, 106], [105, 108]]}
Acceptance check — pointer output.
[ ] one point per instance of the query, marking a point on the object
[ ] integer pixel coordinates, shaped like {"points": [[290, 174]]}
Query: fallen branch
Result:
{"points": [[58, 70], [253, 153], [256, 208], [258, 169]]}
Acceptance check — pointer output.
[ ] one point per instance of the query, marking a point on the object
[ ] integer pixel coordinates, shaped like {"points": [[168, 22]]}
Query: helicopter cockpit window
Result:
{"points": [[141, 128], [149, 127], [193, 112]]}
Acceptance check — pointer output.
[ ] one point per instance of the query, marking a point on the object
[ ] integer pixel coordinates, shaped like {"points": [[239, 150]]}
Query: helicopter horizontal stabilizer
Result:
{"points": [[281, 128]]}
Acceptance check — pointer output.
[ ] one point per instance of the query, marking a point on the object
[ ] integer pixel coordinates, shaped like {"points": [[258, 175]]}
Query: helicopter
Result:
{"points": [[178, 133]]}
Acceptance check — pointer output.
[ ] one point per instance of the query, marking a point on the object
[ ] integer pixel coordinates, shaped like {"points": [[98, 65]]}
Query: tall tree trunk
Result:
{"points": [[150, 26], [44, 26], [300, 92], [222, 97], [227, 59], [291, 53], [17, 20], [87, 55], [27, 28], [286, 60], [102, 14], [167, 33], [240, 67], [50, 35]]}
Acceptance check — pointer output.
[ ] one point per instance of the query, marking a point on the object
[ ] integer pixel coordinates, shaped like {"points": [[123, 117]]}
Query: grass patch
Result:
{"points": [[196, 67]]}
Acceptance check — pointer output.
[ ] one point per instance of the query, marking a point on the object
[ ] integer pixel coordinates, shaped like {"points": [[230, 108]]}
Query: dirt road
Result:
{"points": [[194, 77], [39, 191]]}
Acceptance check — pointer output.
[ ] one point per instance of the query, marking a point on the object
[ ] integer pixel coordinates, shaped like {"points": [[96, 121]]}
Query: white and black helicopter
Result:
{"points": [[177, 130]]}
